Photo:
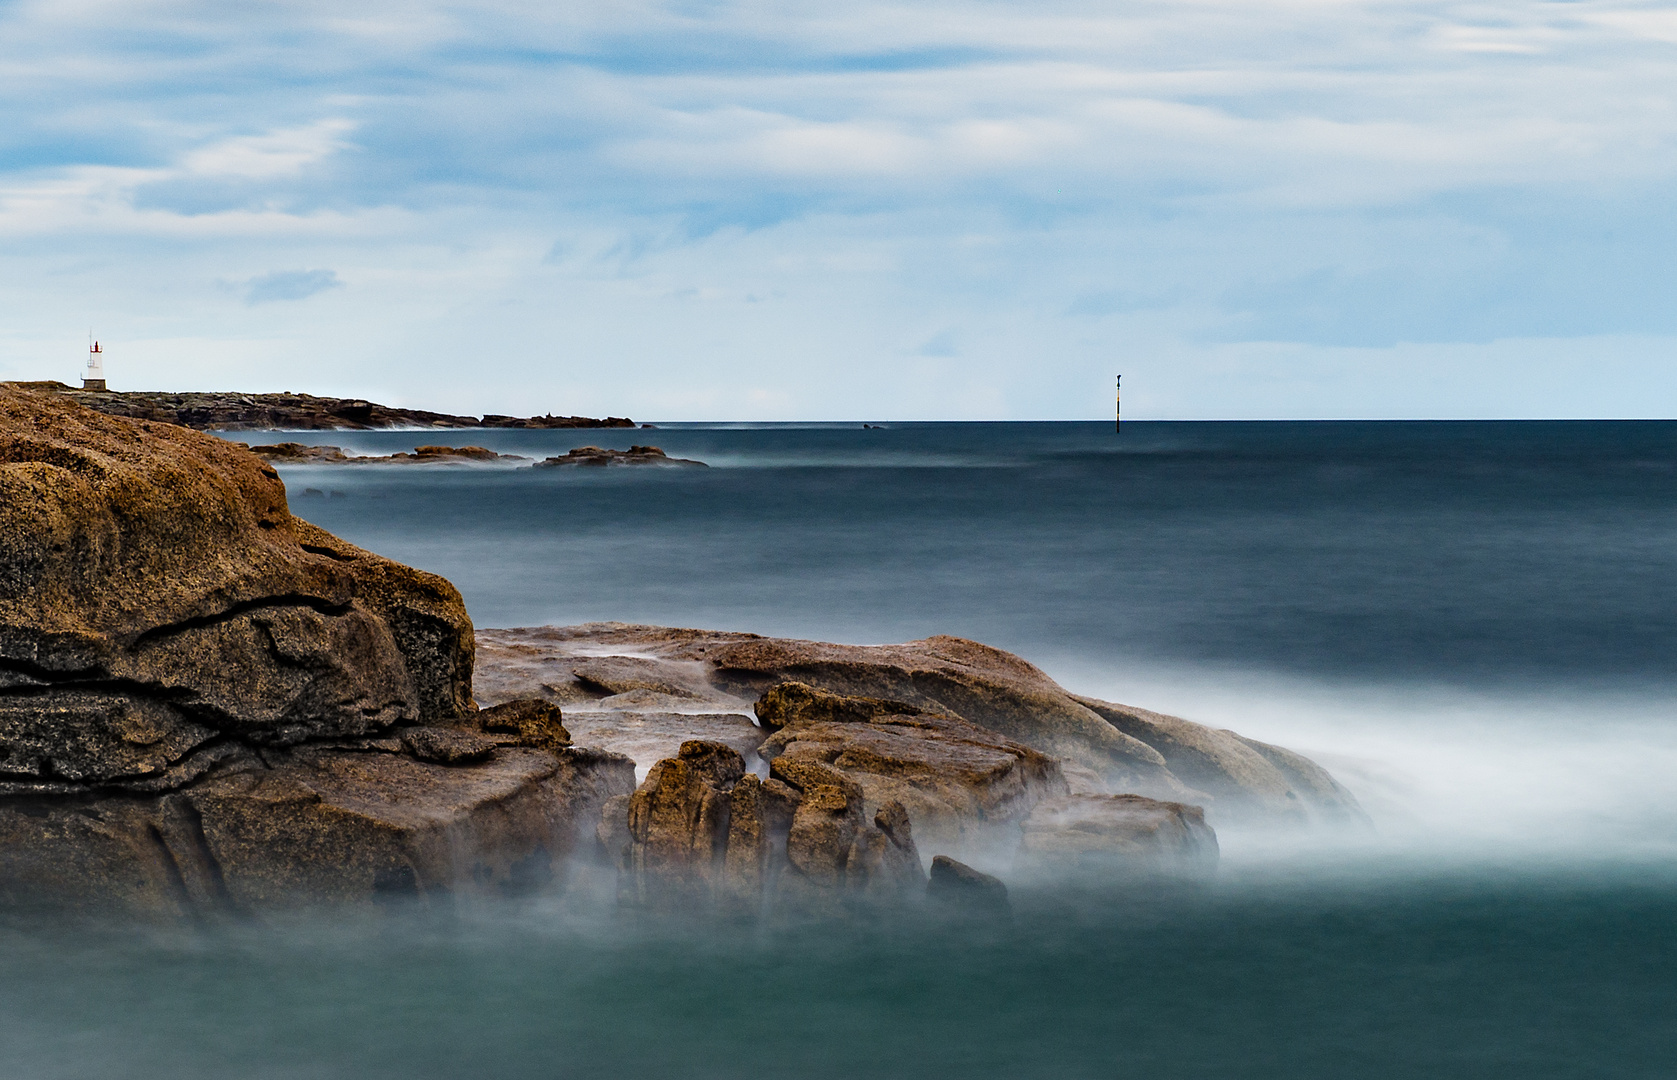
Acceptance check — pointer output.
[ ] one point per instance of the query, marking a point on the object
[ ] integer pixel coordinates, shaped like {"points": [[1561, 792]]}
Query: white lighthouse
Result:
{"points": [[95, 377]]}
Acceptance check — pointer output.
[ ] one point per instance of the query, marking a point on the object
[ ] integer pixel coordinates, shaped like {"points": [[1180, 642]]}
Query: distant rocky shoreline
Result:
{"points": [[208, 411], [291, 453]]}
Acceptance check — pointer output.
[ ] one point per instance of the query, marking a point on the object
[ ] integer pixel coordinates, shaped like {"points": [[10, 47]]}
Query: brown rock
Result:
{"points": [[596, 457], [1099, 747], [748, 848], [1118, 831], [198, 693], [946, 675], [937, 676], [471, 453], [960, 783], [678, 825], [1246, 779], [532, 721], [612, 832], [957, 885], [291, 453], [823, 828], [294, 453], [884, 860], [317, 826], [446, 746], [161, 566], [805, 773], [791, 702], [613, 675]]}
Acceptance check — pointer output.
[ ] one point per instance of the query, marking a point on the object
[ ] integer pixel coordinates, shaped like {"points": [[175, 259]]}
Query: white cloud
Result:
{"points": [[269, 155], [773, 207]]}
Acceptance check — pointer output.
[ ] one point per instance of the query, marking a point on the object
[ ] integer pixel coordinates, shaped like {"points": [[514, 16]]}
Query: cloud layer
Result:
{"points": [[763, 210]]}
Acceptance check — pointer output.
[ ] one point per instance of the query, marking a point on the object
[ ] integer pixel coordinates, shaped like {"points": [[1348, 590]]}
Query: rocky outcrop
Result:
{"points": [[609, 675], [702, 832], [1243, 777], [292, 453], [309, 825], [960, 783], [175, 647], [586, 456], [291, 412]]}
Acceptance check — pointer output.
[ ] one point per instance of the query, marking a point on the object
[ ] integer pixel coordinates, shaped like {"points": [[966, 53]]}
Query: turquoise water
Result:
{"points": [[1472, 624], [1416, 975]]}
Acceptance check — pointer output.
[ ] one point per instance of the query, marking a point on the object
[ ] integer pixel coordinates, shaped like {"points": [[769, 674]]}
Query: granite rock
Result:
{"points": [[1099, 747], [204, 701]]}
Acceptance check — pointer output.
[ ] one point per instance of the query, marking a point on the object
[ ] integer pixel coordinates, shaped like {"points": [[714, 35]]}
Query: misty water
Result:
{"points": [[1471, 624]]}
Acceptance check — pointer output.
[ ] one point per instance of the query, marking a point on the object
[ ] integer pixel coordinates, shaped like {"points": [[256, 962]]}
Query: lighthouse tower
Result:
{"points": [[95, 377]]}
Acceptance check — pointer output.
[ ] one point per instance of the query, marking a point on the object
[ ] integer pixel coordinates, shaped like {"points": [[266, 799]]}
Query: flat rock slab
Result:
{"points": [[959, 782], [649, 737], [1101, 747], [320, 826]]}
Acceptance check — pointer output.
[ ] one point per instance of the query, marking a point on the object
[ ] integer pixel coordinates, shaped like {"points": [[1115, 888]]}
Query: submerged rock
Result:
{"points": [[958, 885], [1123, 832]]}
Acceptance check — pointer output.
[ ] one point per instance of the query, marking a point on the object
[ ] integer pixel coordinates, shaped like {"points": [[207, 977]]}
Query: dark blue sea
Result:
{"points": [[1472, 624]]}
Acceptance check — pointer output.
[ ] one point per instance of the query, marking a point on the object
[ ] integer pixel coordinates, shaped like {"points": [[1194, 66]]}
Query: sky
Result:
{"points": [[872, 210]]}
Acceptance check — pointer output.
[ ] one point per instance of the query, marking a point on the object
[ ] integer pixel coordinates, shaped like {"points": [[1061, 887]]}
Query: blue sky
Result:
{"points": [[774, 211]]}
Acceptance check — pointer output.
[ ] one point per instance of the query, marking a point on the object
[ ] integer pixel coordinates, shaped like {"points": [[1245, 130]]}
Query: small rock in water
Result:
{"points": [[598, 456], [957, 884]]}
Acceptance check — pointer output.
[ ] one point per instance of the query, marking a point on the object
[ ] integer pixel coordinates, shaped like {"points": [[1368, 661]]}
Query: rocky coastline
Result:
{"points": [[208, 706], [212, 411], [292, 453]]}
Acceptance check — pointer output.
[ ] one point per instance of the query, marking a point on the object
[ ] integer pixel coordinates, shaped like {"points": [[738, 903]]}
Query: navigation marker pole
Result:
{"points": [[1118, 405]]}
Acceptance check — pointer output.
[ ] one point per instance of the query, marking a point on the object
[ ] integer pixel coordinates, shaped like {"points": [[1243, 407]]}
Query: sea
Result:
{"points": [[1472, 624]]}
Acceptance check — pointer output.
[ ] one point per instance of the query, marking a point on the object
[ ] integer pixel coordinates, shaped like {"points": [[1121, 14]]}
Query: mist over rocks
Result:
{"points": [[847, 735], [941, 694]]}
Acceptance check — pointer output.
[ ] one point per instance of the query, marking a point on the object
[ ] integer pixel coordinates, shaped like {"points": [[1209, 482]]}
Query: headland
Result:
{"points": [[227, 411]]}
